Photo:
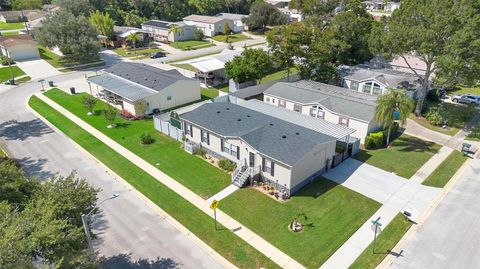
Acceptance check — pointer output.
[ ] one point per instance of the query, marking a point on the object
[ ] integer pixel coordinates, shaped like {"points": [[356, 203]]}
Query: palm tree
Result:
{"points": [[175, 29], [393, 105], [134, 38]]}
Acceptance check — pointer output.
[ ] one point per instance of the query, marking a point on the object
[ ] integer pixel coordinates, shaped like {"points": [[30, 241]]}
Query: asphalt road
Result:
{"points": [[450, 238], [129, 234]]}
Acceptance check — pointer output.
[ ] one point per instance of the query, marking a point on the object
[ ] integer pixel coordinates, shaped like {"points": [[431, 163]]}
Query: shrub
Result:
{"points": [[198, 34], [433, 96], [434, 116], [227, 165], [6, 60], [146, 139], [374, 140], [475, 133], [201, 152]]}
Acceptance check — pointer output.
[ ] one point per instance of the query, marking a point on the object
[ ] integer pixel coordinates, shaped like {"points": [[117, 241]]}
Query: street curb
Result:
{"points": [[389, 259], [211, 252]]}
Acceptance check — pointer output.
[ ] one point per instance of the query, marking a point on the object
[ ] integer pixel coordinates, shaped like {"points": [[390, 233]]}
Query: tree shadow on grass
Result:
{"points": [[316, 188], [22, 130], [413, 144], [124, 261]]}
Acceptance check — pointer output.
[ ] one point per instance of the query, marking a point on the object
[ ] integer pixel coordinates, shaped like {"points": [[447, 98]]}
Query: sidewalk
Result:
{"points": [[419, 131], [241, 231], [432, 164]]}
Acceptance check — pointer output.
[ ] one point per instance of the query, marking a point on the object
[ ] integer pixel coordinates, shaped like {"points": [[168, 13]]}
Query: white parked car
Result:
{"points": [[468, 99]]}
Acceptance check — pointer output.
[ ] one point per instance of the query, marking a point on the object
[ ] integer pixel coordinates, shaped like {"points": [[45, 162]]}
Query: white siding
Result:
{"points": [[179, 93], [211, 29]]}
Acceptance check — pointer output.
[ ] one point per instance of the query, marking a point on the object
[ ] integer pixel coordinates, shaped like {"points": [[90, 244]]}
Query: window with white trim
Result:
{"points": [[367, 87], [317, 112], [354, 85], [377, 90], [343, 121], [205, 137], [282, 103], [230, 149], [169, 97], [268, 166], [267, 99]]}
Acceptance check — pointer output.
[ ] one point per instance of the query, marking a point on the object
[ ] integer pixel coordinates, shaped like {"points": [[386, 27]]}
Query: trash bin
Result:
{"points": [[72, 90], [50, 83]]}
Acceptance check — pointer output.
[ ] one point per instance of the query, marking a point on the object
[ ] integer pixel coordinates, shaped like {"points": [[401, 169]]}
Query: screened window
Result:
{"points": [[354, 86], [343, 121], [268, 166], [297, 108], [367, 88], [377, 90], [267, 99], [205, 137], [282, 103]]}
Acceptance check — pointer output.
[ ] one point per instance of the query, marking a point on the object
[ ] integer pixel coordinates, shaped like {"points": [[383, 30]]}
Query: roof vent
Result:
{"points": [[248, 116], [218, 112], [284, 136], [239, 119], [271, 124], [297, 133], [228, 108]]}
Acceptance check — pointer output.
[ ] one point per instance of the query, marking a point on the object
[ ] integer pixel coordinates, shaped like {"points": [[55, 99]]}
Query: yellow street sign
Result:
{"points": [[214, 204]]}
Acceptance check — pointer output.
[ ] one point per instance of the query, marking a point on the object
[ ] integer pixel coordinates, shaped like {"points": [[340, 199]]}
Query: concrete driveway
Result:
{"points": [[394, 192], [38, 69]]}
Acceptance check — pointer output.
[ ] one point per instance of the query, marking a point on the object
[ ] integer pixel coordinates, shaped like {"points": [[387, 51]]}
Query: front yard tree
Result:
{"points": [[110, 115], [76, 7], [226, 29], [252, 64], [89, 102], [103, 22], [133, 38], [26, 4], [74, 36], [263, 14], [175, 29], [439, 32], [393, 104]]}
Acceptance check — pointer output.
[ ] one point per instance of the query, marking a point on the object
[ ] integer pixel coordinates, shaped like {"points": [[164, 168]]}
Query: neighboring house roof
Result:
{"points": [[124, 31], [232, 16], [37, 23], [122, 87], [163, 24], [13, 40], [278, 139], [252, 91], [388, 77], [34, 14], [146, 75], [11, 14], [338, 100], [318, 125], [204, 19]]}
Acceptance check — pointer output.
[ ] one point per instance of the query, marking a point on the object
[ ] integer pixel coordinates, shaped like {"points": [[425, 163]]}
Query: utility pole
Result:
{"points": [[86, 228], [12, 78]]}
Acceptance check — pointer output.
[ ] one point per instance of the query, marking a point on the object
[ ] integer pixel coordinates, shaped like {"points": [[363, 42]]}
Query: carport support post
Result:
{"points": [[90, 86]]}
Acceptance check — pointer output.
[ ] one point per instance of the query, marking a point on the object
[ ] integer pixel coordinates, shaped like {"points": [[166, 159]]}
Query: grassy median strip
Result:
{"points": [[223, 241], [386, 240], [329, 212], [165, 153], [445, 171]]}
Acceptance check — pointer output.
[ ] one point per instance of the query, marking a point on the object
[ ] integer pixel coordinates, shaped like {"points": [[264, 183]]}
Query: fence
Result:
{"points": [[166, 128]]}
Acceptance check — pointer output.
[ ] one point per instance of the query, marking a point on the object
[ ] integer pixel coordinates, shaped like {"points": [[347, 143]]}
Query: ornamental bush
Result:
{"points": [[227, 165], [146, 139], [374, 140], [434, 116]]}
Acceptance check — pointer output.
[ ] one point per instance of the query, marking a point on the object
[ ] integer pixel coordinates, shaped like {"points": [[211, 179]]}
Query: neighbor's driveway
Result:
{"points": [[38, 69]]}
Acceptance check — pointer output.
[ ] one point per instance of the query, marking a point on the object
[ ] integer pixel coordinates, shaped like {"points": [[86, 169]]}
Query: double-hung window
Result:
{"points": [[205, 137], [231, 149], [317, 112], [297, 108], [282, 103], [268, 166], [343, 121], [367, 87], [354, 86], [188, 129]]}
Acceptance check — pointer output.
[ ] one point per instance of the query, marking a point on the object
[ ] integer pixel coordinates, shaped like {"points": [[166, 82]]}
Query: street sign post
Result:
{"points": [[214, 206], [376, 229]]}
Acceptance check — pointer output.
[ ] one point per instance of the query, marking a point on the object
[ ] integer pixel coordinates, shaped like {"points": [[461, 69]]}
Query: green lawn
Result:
{"points": [[456, 115], [5, 73], [59, 61], [186, 67], [222, 87], [278, 75], [231, 38], [208, 93], [190, 44], [440, 176], [386, 240], [223, 241], [10, 33], [475, 90], [137, 53], [331, 213], [474, 134], [12, 25], [194, 173], [404, 157]]}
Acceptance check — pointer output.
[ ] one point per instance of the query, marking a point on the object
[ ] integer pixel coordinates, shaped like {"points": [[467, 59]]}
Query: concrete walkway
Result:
{"points": [[396, 193], [241, 231], [432, 164], [223, 193], [38, 69], [419, 131]]}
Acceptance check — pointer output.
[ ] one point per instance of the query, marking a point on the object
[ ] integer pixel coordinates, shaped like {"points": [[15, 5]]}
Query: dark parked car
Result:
{"points": [[158, 54]]}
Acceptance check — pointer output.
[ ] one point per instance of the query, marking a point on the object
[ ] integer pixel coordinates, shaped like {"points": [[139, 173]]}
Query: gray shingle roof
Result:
{"points": [[204, 19], [146, 75], [391, 78], [124, 88], [339, 100], [278, 139]]}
